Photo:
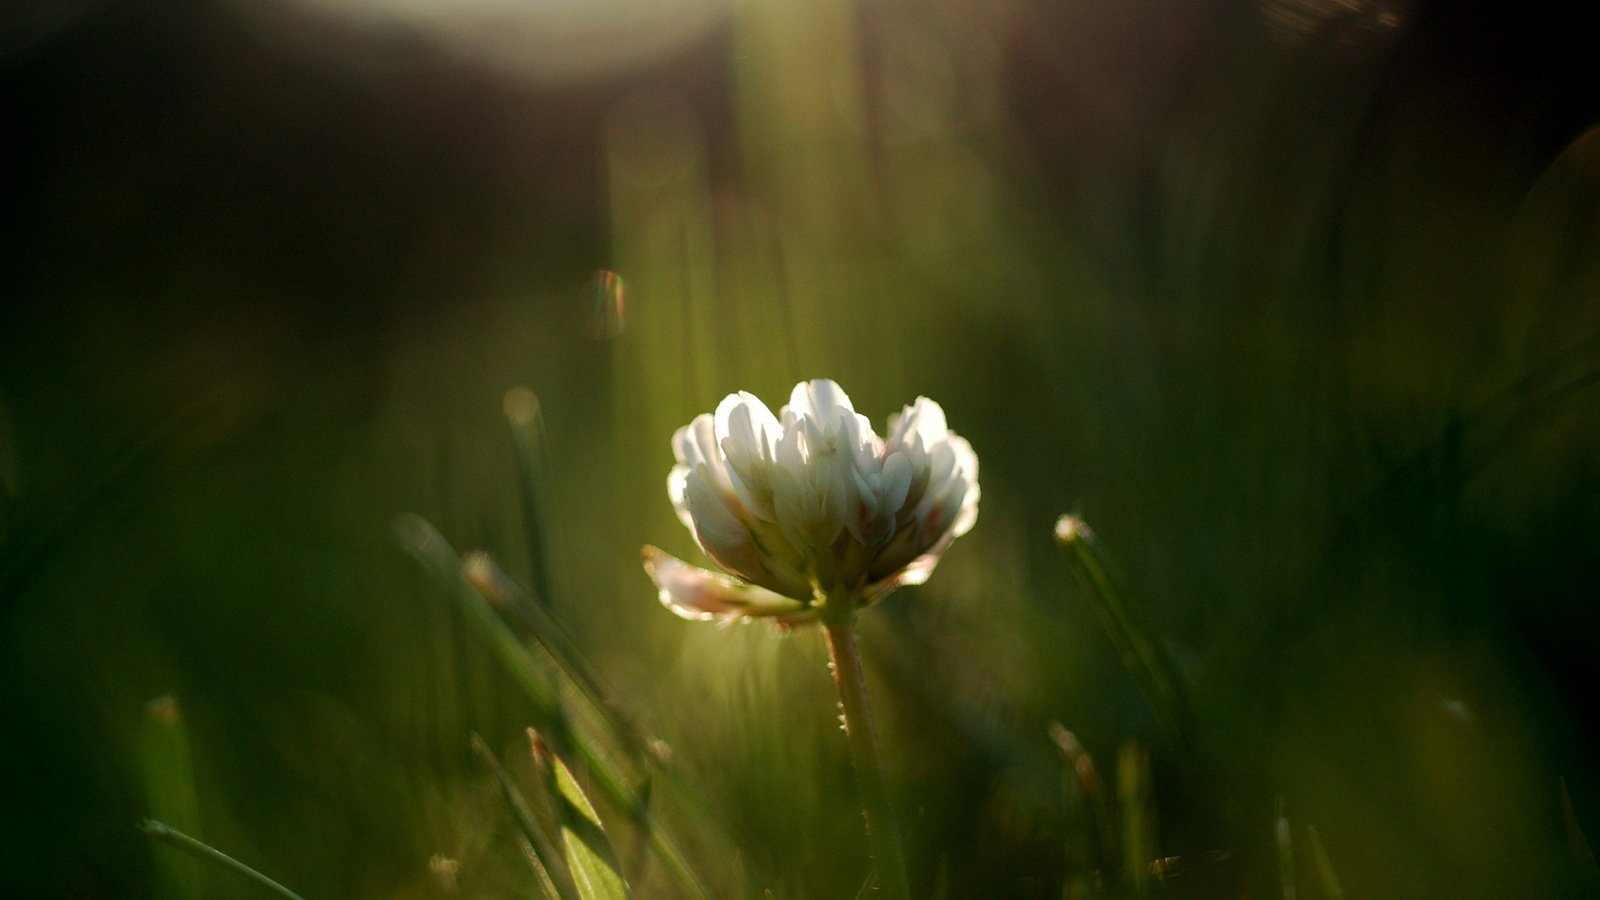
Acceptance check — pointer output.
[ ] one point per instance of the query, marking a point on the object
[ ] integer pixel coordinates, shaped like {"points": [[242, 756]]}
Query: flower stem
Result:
{"points": [[881, 829]]}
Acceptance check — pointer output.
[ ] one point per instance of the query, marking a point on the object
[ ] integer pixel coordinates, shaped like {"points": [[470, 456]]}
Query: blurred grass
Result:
{"points": [[1294, 301]]}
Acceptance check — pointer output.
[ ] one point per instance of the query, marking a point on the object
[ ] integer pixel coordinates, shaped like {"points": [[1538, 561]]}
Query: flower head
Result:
{"points": [[811, 506]]}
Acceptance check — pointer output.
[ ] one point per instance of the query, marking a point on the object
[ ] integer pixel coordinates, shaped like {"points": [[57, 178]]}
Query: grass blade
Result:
{"points": [[436, 555], [589, 854], [170, 794], [425, 543], [1149, 665], [1084, 785], [542, 843], [501, 590], [173, 837], [1327, 878], [1138, 818], [526, 422], [1283, 838], [541, 873]]}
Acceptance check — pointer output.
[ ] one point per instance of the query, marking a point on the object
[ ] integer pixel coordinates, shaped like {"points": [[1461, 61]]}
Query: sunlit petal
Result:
{"points": [[704, 595]]}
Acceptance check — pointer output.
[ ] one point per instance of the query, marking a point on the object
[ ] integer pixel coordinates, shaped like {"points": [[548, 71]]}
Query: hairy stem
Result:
{"points": [[881, 829]]}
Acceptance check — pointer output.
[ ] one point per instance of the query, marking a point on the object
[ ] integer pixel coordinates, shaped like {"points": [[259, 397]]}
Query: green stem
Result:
{"points": [[189, 845], [881, 829]]}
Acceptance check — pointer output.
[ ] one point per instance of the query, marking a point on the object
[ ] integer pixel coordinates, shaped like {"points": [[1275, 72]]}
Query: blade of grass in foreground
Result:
{"points": [[541, 874], [589, 854], [543, 844], [600, 710], [169, 835], [501, 590], [425, 543], [1149, 665], [170, 794], [1326, 876]]}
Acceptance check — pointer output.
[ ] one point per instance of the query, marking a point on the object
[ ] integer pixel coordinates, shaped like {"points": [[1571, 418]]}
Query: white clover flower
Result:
{"points": [[811, 507]]}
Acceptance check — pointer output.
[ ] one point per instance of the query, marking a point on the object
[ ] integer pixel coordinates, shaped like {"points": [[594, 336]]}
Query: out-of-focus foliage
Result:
{"points": [[1294, 301]]}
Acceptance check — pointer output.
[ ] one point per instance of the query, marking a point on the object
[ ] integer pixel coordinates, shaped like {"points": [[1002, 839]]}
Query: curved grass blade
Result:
{"points": [[173, 837], [1149, 665], [170, 793]]}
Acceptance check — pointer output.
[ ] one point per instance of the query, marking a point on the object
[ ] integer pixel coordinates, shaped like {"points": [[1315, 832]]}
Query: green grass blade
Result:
{"points": [[425, 543], [1141, 653], [541, 873], [1083, 784], [1283, 839], [1138, 817], [526, 424], [589, 854], [542, 843], [506, 595], [173, 837], [170, 794], [430, 548], [1327, 878]]}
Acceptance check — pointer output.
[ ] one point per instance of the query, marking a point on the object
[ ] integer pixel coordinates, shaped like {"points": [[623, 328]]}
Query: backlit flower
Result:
{"points": [[811, 506]]}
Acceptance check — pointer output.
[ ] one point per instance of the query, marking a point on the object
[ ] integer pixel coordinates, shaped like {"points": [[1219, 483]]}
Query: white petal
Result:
{"points": [[703, 595], [859, 520], [744, 417], [896, 483], [923, 418], [721, 535], [677, 483], [820, 399], [747, 432], [967, 470]]}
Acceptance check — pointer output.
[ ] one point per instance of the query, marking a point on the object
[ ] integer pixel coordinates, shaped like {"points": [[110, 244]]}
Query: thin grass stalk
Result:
{"points": [[525, 421], [1143, 656], [173, 837]]}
